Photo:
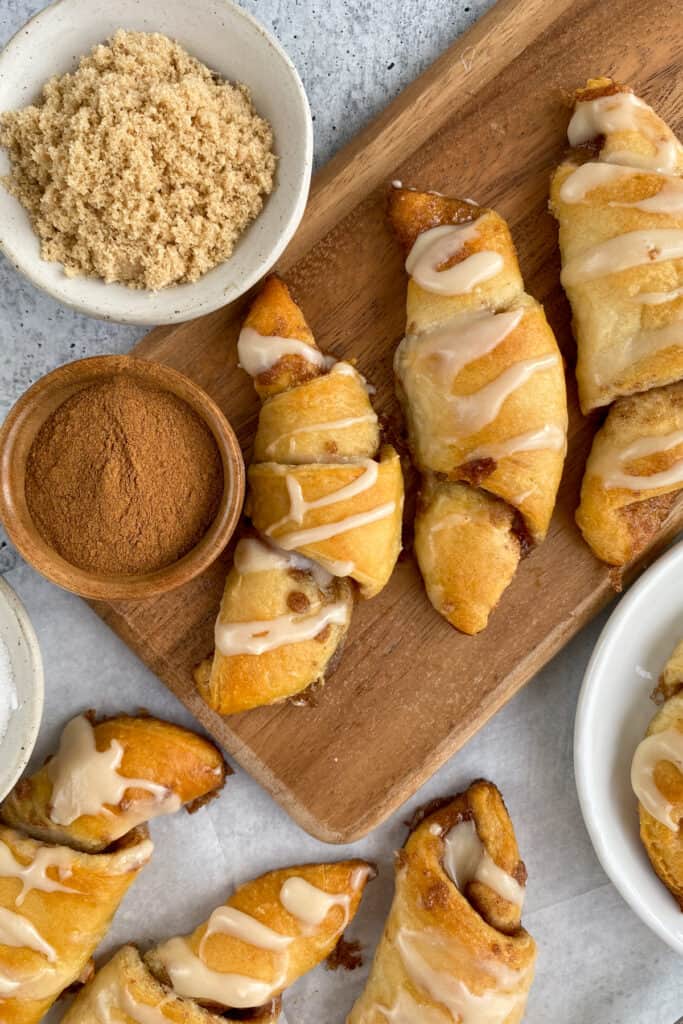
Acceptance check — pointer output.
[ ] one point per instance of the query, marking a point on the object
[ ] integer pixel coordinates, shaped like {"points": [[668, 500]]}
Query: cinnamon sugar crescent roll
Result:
{"points": [[238, 962], [56, 905], [618, 197], [125, 991], [481, 382], [453, 948], [657, 780], [634, 473], [108, 777], [326, 501]]}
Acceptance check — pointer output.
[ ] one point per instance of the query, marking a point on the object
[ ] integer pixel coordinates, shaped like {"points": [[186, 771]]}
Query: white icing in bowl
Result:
{"points": [[21, 688]]}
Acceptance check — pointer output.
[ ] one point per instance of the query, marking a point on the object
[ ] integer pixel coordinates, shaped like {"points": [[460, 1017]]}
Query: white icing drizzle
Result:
{"points": [[258, 353], [662, 746], [632, 249], [624, 112], [658, 298], [464, 1006], [115, 996], [406, 1011], [299, 507], [608, 463], [474, 411], [548, 437], [36, 984], [261, 635], [314, 428], [309, 904], [228, 920], [299, 538], [16, 930], [667, 199], [34, 875], [450, 348], [466, 860], [133, 858], [344, 369], [436, 246], [86, 781], [191, 977], [253, 554]]}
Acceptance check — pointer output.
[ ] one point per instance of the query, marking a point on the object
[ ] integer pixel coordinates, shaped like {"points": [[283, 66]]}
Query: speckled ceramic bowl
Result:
{"points": [[226, 39], [18, 642]]}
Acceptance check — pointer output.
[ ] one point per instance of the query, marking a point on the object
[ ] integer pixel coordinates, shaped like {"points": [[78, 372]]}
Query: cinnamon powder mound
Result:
{"points": [[123, 478], [142, 166]]}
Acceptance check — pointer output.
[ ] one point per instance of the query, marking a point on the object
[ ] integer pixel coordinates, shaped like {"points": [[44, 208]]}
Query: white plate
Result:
{"points": [[18, 636], [613, 713], [229, 41]]}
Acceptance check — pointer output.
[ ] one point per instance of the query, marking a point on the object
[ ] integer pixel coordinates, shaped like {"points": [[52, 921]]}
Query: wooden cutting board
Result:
{"points": [[488, 121]]}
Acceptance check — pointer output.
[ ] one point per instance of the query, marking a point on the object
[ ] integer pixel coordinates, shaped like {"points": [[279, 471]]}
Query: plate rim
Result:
{"points": [[181, 310], [584, 708], [26, 630]]}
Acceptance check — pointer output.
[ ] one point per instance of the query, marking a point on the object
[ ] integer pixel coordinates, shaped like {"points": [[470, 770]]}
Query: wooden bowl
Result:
{"points": [[24, 421]]}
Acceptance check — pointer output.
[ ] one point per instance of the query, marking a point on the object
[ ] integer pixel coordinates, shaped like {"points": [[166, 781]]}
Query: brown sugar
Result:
{"points": [[123, 478], [141, 166]]}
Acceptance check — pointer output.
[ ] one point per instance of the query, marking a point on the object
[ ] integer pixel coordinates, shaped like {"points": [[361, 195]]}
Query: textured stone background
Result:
{"points": [[597, 963]]}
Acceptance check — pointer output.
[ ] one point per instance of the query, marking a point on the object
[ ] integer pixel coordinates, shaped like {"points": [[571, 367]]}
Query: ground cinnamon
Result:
{"points": [[123, 477]]}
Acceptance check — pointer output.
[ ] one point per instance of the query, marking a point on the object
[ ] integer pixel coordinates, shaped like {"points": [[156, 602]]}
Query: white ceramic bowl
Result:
{"points": [[229, 41], [613, 713], [17, 635]]}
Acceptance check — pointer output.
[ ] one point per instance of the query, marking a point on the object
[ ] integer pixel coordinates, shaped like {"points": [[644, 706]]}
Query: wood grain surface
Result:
{"points": [[487, 121]]}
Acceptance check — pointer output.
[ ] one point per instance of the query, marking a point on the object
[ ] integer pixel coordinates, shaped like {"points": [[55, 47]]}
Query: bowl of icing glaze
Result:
{"points": [[21, 688]]}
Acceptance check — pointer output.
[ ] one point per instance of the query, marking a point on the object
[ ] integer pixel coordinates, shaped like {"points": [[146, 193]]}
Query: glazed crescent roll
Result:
{"points": [[453, 949], [238, 962], [481, 382], [326, 503], [108, 777], [657, 780], [634, 473], [125, 991], [618, 198], [56, 904]]}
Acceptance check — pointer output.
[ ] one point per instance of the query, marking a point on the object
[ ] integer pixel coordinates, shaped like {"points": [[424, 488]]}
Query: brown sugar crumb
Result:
{"points": [[345, 954], [142, 166]]}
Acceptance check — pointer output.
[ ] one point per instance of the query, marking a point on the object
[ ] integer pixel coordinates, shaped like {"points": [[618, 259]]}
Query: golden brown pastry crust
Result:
{"points": [[609, 316], [371, 548], [184, 763], [468, 545], [476, 529], [244, 681], [126, 983], [317, 431], [443, 950], [617, 521], [261, 899], [71, 923], [664, 846], [274, 312]]}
